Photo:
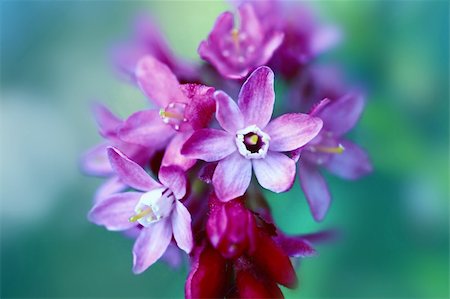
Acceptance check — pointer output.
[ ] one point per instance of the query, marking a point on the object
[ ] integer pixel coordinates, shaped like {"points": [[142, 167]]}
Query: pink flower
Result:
{"points": [[182, 109], [250, 141], [235, 52], [329, 149], [157, 209], [305, 37]]}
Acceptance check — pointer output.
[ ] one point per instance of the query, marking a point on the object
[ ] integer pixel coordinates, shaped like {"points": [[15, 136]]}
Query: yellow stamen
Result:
{"points": [[253, 140], [142, 214], [330, 150], [235, 37], [164, 113]]}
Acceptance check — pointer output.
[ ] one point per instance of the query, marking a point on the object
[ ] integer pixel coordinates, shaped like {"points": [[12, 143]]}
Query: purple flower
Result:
{"points": [[250, 141], [156, 209], [183, 108], [147, 40], [330, 150], [304, 38], [235, 52]]}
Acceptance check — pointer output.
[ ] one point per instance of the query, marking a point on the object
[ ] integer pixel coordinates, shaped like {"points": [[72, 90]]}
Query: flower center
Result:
{"points": [[153, 206], [173, 114], [235, 37], [252, 142], [237, 47]]}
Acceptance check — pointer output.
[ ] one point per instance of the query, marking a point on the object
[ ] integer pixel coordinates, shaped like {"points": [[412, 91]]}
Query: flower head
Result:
{"points": [[250, 140], [330, 150], [182, 108], [235, 52], [223, 223], [156, 208]]}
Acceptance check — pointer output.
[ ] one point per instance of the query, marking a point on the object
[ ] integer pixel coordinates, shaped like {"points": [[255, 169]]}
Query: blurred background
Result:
{"points": [[395, 222]]}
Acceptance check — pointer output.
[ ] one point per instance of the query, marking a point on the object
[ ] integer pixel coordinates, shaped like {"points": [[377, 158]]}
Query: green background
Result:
{"points": [[394, 223]]}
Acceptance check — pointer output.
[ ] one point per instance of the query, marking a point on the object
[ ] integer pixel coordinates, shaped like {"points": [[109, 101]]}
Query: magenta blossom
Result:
{"points": [[157, 209], [304, 37], [235, 52], [330, 150], [148, 40], [250, 141], [182, 109]]}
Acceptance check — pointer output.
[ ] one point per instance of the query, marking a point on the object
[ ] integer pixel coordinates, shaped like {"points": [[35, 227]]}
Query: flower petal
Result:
{"points": [[232, 177], [230, 227], [274, 262], [201, 106], [173, 257], [272, 43], [250, 287], [129, 172], [211, 51], [341, 115], [222, 27], [151, 245], [208, 275], [209, 145], [325, 38], [250, 23], [181, 226], [275, 172], [173, 178], [315, 189], [352, 164], [95, 161], [324, 236], [158, 82], [295, 246], [212, 54], [106, 120], [114, 212], [206, 172], [227, 113], [146, 128], [173, 156], [109, 187], [291, 131], [257, 97]]}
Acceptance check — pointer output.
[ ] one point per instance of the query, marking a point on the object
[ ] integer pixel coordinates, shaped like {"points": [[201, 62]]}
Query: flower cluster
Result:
{"points": [[203, 147]]}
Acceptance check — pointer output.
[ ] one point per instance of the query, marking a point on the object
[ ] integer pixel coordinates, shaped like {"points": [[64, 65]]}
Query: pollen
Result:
{"points": [[142, 214], [252, 140], [167, 114], [235, 37], [330, 150]]}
